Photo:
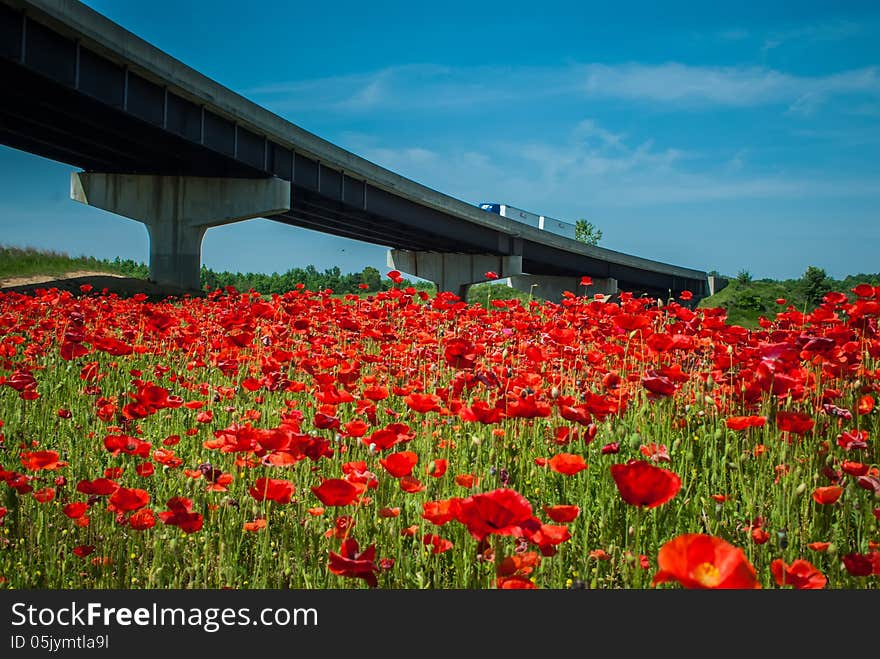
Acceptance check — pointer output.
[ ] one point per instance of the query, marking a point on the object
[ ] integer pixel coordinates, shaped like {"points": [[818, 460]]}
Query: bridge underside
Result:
{"points": [[64, 101]]}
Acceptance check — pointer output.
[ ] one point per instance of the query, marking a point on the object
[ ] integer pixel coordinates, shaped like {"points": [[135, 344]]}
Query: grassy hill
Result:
{"points": [[746, 300]]}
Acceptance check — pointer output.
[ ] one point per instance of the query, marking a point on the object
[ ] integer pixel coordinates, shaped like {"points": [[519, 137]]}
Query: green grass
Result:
{"points": [[747, 301], [29, 261]]}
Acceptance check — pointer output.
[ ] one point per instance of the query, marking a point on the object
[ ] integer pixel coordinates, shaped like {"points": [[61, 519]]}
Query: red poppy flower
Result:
{"points": [[255, 525], [76, 509], [41, 460], [460, 353], [99, 486], [500, 512], [400, 464], [441, 512], [272, 489], [181, 515], [83, 550], [466, 481], [862, 565], [44, 495], [385, 438], [801, 575], [853, 440], [437, 544], [827, 495], [411, 485], [142, 519], [336, 492], [865, 404], [562, 514], [124, 500], [642, 484], [567, 463], [352, 563], [696, 560], [436, 468], [547, 536], [744, 422], [794, 422], [760, 536]]}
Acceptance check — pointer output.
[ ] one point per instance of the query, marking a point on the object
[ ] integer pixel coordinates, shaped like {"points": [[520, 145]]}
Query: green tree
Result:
{"points": [[816, 284], [372, 278], [587, 232]]}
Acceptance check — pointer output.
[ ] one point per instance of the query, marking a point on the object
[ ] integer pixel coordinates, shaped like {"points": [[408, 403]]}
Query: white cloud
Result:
{"points": [[429, 87]]}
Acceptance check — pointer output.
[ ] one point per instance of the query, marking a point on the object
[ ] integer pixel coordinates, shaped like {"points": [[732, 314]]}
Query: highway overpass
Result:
{"points": [[158, 142]]}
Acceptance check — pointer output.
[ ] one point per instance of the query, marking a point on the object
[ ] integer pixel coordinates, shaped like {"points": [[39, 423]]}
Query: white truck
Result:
{"points": [[542, 222]]}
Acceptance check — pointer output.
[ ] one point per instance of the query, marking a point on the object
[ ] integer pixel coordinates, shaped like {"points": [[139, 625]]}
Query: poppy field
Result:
{"points": [[404, 440]]}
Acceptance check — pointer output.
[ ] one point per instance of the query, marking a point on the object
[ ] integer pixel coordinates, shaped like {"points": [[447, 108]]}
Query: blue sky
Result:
{"points": [[725, 136]]}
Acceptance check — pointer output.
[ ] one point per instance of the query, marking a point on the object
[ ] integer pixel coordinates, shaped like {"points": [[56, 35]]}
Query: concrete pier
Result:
{"points": [[178, 210], [454, 273]]}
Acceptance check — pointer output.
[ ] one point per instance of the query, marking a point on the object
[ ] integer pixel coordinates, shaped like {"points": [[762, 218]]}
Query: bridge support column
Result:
{"points": [[178, 210], [552, 287], [453, 273]]}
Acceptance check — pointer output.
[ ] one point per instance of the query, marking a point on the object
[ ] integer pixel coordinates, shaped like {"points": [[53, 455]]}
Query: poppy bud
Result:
{"points": [[801, 489]]}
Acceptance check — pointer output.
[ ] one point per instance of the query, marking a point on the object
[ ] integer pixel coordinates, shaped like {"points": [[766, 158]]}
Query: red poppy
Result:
{"points": [[76, 509], [586, 281], [853, 440], [181, 515], [862, 565], [352, 563], [760, 536], [441, 512], [255, 525], [800, 575], [460, 353], [567, 463], [272, 489], [436, 468], [490, 275], [865, 404], [547, 536], [411, 485], [466, 481], [562, 514], [400, 464], [827, 495], [697, 560], [99, 486], [83, 550], [142, 519], [642, 484], [795, 422], [44, 495], [437, 544], [336, 492], [501, 512], [41, 460], [744, 422], [385, 438], [124, 500]]}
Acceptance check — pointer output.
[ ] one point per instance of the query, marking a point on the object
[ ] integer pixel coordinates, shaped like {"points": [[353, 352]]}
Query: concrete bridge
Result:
{"points": [[160, 143]]}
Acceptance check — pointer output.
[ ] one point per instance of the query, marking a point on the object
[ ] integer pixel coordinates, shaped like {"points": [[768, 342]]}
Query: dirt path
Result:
{"points": [[72, 281]]}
